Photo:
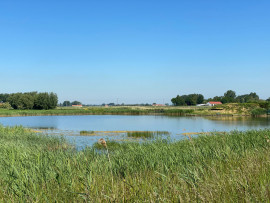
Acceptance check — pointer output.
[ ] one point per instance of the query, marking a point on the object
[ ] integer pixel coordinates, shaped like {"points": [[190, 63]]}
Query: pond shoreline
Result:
{"points": [[226, 110], [129, 114]]}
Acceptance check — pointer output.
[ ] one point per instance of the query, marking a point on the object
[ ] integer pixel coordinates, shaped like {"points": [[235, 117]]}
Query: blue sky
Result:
{"points": [[137, 51]]}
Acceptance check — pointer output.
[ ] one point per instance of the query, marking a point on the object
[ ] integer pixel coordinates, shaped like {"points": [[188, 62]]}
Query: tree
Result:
{"points": [[66, 103], [200, 99], [4, 97], [53, 100], [229, 97], [217, 98], [191, 99], [46, 101], [76, 103], [178, 101]]}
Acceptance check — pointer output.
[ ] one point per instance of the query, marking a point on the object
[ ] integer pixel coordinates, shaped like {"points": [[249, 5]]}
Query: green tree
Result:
{"points": [[46, 101], [178, 101], [200, 99], [66, 103], [247, 98], [76, 103], [4, 97], [191, 99], [229, 97]]}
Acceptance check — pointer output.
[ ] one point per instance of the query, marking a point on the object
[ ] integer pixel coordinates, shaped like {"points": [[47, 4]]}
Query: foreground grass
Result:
{"points": [[233, 167]]}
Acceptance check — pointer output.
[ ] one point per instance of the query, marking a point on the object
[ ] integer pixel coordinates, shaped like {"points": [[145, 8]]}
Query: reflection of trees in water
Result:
{"points": [[45, 128], [242, 121]]}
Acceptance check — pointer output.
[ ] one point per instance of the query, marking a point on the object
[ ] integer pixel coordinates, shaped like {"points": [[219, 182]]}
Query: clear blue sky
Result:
{"points": [[137, 51]]}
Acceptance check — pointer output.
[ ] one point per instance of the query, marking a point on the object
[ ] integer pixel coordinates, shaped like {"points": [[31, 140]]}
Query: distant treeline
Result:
{"points": [[68, 103], [30, 100], [188, 100], [229, 97]]}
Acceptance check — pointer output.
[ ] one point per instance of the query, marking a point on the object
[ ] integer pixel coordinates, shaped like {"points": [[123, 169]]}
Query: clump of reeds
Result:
{"points": [[146, 134], [87, 132]]}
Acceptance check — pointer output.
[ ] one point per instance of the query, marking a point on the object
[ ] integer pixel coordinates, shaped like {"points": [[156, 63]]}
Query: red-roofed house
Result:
{"points": [[213, 103]]}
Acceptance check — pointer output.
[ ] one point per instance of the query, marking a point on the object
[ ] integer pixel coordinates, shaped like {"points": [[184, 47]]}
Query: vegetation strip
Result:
{"points": [[224, 110], [225, 166]]}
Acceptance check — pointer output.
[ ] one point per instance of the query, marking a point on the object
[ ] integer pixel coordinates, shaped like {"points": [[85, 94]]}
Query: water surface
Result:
{"points": [[72, 125]]}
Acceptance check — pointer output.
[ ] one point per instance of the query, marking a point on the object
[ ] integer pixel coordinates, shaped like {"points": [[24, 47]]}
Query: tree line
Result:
{"points": [[30, 100], [228, 97], [68, 103]]}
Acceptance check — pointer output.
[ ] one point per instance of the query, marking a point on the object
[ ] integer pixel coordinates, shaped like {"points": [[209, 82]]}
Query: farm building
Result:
{"points": [[158, 105], [213, 103], [79, 105]]}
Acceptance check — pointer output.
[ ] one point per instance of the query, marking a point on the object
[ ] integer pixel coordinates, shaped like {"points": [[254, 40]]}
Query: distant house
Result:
{"points": [[158, 105], [213, 103], [202, 105], [79, 105]]}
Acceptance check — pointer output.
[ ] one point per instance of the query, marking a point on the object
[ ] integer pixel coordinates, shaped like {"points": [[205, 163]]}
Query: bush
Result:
{"points": [[5, 105], [258, 112]]}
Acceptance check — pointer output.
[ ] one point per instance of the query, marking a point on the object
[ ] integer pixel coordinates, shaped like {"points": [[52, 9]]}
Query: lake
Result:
{"points": [[70, 126]]}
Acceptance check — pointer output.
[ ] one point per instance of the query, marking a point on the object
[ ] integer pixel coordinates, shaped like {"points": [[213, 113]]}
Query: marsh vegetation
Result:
{"points": [[214, 167]]}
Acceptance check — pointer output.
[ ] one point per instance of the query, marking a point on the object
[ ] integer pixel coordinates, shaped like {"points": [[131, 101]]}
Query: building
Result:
{"points": [[158, 104], [79, 105], [213, 103], [202, 105]]}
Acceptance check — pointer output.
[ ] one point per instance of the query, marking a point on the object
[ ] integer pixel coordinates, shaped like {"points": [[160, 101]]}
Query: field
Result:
{"points": [[217, 167], [222, 110]]}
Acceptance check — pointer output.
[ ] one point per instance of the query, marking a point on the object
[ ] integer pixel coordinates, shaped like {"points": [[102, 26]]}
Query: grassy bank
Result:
{"points": [[222, 110], [232, 167], [99, 111]]}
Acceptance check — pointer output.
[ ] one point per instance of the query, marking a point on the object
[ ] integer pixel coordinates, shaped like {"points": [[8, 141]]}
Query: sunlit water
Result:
{"points": [[70, 126]]}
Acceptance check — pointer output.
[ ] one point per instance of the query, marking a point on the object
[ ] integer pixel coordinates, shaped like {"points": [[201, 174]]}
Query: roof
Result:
{"points": [[214, 102]]}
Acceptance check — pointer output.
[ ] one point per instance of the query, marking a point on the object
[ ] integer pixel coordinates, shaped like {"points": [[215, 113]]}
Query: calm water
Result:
{"points": [[72, 125]]}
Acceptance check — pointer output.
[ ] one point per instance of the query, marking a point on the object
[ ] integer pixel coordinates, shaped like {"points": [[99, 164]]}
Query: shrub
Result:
{"points": [[5, 105]]}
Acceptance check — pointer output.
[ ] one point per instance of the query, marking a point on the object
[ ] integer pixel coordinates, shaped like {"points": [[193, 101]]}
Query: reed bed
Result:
{"points": [[228, 167], [146, 134], [100, 111], [87, 132]]}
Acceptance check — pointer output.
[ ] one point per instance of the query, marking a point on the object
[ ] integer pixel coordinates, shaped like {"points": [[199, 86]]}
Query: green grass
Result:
{"points": [[224, 167]]}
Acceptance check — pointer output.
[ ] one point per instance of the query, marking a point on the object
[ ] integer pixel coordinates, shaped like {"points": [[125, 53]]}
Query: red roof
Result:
{"points": [[213, 102]]}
